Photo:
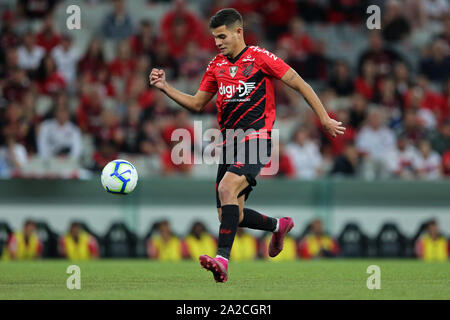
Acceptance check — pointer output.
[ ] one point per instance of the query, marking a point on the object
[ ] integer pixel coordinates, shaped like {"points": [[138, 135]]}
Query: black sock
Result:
{"points": [[258, 221], [228, 228]]}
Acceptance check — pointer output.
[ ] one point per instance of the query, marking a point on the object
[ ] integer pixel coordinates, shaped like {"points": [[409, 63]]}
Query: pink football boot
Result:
{"points": [[218, 266], [276, 243]]}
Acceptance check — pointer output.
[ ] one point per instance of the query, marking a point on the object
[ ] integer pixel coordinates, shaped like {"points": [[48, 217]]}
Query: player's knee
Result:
{"points": [[227, 192]]}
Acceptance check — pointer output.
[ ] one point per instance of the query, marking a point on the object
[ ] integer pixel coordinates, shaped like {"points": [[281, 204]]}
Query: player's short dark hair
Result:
{"points": [[225, 17]]}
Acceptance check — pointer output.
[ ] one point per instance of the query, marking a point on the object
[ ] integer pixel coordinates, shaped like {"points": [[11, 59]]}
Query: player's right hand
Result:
{"points": [[158, 78]]}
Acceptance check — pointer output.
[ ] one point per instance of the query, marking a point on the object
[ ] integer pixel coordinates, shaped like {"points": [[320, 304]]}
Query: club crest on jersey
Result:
{"points": [[233, 71]]}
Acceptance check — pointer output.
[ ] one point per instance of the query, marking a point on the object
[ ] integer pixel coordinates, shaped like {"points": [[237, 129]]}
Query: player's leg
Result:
{"points": [[255, 220], [241, 201], [258, 221], [227, 190]]}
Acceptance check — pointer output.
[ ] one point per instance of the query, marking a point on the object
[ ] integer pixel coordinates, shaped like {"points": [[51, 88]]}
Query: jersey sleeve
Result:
{"points": [[209, 82], [272, 65]]}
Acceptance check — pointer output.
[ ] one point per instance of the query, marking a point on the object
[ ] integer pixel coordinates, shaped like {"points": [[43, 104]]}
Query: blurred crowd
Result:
{"points": [[36, 240], [89, 106]]}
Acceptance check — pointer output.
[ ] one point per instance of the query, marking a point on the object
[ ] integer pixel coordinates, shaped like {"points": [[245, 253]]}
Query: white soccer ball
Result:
{"points": [[119, 177]]}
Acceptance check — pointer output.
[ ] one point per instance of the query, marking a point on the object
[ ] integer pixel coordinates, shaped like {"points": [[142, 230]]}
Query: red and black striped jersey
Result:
{"points": [[245, 92]]}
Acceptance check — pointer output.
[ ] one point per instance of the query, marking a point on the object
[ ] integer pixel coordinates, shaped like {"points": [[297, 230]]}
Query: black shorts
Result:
{"points": [[246, 158]]}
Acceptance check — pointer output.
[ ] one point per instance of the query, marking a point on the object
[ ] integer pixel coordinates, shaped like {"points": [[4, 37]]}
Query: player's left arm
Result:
{"points": [[293, 80]]}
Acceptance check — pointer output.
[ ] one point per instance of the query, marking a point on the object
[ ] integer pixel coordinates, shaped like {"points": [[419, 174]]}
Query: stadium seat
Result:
{"points": [[391, 243], [5, 232], [420, 231], [120, 242], [353, 242], [49, 240]]}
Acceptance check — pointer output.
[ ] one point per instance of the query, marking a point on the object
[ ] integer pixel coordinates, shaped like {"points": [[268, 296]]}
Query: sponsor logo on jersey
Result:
{"points": [[248, 58], [233, 71], [269, 54], [243, 88], [222, 63]]}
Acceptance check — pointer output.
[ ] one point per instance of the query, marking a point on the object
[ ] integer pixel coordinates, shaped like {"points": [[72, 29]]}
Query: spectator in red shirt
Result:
{"points": [[104, 81], [275, 13], [93, 60], [159, 110], [444, 112], [179, 26], [137, 89], [192, 64], [446, 164], [124, 63], [422, 96], [48, 37], [90, 109], [8, 37], [366, 82], [179, 162], [348, 11], [109, 129], [298, 43], [339, 143], [245, 7], [13, 125], [144, 41], [285, 166], [180, 121], [16, 86], [50, 81], [383, 57]]}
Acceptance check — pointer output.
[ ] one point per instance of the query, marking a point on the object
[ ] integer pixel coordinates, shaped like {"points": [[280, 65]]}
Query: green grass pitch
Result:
{"points": [[144, 279]]}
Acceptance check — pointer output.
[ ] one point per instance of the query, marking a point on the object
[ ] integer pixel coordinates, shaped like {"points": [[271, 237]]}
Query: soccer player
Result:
{"points": [[242, 76]]}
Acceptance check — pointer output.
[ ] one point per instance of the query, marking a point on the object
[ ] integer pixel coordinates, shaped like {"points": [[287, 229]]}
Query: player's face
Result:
{"points": [[226, 39]]}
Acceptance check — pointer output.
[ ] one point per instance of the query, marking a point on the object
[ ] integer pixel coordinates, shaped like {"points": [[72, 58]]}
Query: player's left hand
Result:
{"points": [[333, 127]]}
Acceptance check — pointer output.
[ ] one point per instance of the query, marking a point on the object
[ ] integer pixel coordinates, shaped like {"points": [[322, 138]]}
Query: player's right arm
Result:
{"points": [[195, 103]]}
